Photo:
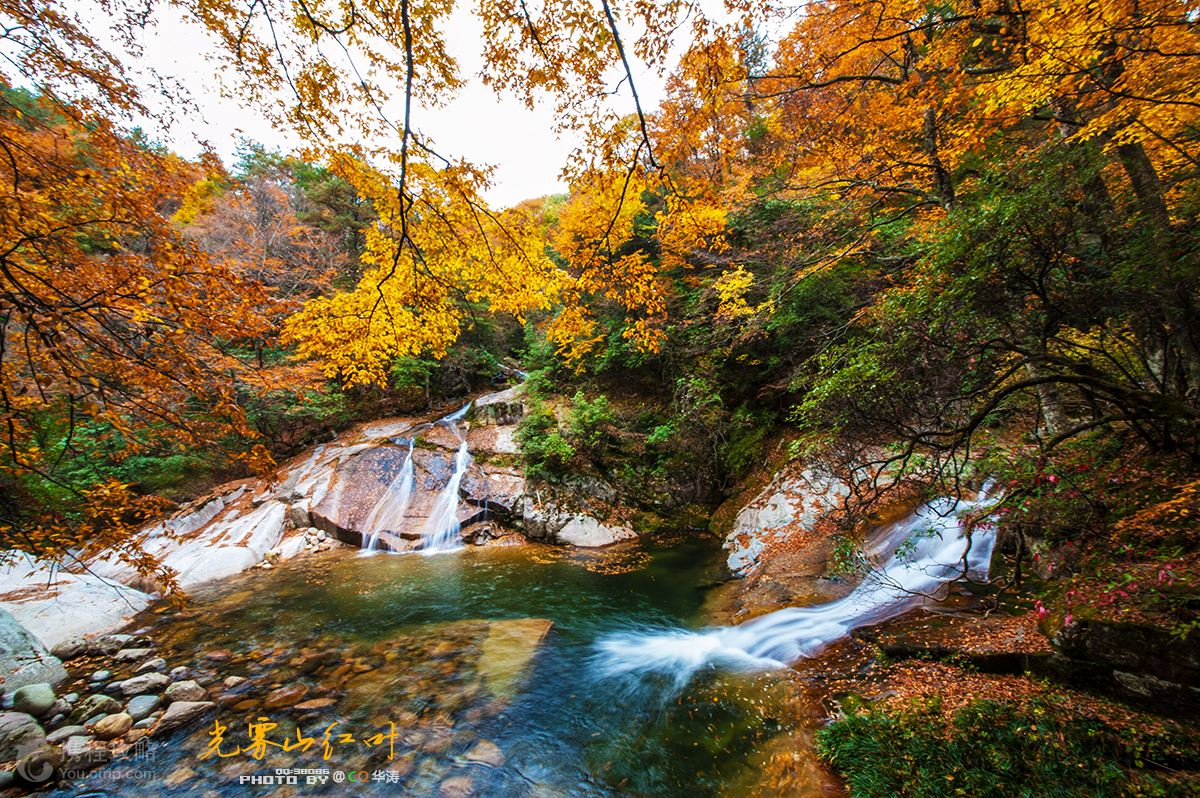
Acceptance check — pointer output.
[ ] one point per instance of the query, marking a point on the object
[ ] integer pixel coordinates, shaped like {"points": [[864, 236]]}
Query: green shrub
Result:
{"points": [[587, 420], [661, 434], [543, 448], [989, 749]]}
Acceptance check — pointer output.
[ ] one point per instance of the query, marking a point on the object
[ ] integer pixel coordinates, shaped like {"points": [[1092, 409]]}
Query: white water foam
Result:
{"points": [[441, 533], [920, 555], [388, 514]]}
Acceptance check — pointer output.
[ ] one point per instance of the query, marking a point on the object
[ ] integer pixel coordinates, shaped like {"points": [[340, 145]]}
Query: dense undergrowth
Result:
{"points": [[996, 749]]}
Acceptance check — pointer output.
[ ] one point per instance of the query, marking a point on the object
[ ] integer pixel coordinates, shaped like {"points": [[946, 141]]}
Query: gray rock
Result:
{"points": [[179, 672], [109, 644], [585, 531], [94, 705], [132, 654], [145, 723], [146, 683], [156, 664], [23, 659], [57, 720], [184, 691], [112, 726], [94, 719], [34, 699], [81, 753], [100, 676], [298, 515], [61, 707], [59, 735], [798, 498], [233, 681], [70, 648], [20, 734], [141, 706], [179, 714], [71, 698]]}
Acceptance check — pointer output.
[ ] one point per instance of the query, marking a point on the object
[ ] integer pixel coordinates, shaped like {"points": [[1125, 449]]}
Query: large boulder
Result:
{"points": [[20, 734], [500, 408], [587, 532], [1134, 661], [549, 523], [793, 503], [23, 658], [57, 605]]}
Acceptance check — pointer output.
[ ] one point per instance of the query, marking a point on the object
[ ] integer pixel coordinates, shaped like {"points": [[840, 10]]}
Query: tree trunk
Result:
{"points": [[942, 184], [1146, 185]]}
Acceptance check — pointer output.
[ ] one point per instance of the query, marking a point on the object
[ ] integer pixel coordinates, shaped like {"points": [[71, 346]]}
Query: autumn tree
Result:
{"points": [[116, 328]]}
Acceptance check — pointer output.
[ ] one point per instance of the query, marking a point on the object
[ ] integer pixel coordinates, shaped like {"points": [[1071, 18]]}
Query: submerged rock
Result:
{"points": [[188, 690], [457, 787], [507, 653], [180, 713], [285, 696], [485, 752]]}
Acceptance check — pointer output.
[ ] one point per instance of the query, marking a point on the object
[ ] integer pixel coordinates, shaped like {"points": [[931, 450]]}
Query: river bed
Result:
{"points": [[463, 673]]}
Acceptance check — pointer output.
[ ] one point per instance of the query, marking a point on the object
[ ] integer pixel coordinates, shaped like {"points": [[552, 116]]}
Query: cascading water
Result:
{"points": [[389, 512], [920, 554], [441, 532]]}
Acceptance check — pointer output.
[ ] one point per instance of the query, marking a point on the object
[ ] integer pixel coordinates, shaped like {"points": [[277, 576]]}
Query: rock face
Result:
{"points": [[794, 501], [1139, 663], [23, 658]]}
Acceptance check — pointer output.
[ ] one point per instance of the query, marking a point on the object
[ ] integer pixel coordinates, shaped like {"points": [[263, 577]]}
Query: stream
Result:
{"points": [[485, 661]]}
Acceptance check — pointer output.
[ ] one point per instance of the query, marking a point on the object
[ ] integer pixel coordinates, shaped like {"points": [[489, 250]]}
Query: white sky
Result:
{"points": [[479, 125]]}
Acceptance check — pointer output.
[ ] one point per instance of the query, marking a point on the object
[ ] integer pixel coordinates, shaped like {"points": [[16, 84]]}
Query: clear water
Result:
{"points": [[409, 640]]}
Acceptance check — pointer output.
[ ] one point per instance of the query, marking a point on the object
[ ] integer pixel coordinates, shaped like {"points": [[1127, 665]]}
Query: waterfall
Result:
{"points": [[388, 513], [441, 532], [920, 555]]}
